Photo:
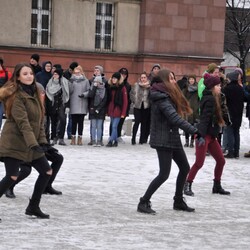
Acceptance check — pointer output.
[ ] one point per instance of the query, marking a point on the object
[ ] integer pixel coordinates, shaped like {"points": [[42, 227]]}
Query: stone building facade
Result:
{"points": [[183, 35]]}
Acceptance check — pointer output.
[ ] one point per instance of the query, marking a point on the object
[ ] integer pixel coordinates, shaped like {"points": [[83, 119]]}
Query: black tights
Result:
{"points": [[165, 157]]}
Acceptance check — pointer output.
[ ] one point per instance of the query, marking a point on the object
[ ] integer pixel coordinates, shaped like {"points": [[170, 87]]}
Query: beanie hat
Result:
{"points": [[100, 68], [239, 70], [211, 67], [123, 71], [57, 66], [156, 66], [192, 76], [73, 65], [59, 72], [211, 81], [35, 57], [233, 76], [98, 79], [117, 75]]}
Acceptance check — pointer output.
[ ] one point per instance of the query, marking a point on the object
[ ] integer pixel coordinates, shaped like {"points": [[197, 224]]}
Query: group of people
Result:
{"points": [[36, 98]]}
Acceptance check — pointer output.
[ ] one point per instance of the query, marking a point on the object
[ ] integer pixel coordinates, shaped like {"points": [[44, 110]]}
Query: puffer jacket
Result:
{"points": [[165, 122], [24, 129], [208, 124]]}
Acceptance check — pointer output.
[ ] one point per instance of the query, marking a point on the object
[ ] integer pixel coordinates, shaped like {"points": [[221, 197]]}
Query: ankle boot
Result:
{"points": [[217, 189], [51, 190], [187, 143], [109, 144], [230, 154], [188, 188], [133, 141], [34, 209], [180, 204], [144, 206], [79, 140], [9, 193], [73, 140], [62, 142], [191, 143]]}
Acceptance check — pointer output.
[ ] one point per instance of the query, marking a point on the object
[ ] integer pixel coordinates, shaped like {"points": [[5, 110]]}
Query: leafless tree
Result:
{"points": [[237, 30]]}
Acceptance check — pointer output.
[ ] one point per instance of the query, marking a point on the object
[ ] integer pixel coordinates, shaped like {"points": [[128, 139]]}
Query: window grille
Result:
{"points": [[104, 26], [40, 23]]}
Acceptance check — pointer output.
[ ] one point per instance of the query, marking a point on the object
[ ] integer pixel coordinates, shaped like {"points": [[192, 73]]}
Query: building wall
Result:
{"points": [[183, 27]]}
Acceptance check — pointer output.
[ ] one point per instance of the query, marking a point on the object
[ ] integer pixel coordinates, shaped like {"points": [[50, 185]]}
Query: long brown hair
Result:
{"points": [[182, 105], [12, 86], [218, 111]]}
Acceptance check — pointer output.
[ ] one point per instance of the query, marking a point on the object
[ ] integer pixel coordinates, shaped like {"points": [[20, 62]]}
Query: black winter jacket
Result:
{"points": [[208, 124], [165, 122]]}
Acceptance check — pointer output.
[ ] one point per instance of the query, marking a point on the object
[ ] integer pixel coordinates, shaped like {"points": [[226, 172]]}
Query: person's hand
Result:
{"points": [[51, 150], [45, 146], [37, 149], [81, 96], [200, 140], [66, 111]]}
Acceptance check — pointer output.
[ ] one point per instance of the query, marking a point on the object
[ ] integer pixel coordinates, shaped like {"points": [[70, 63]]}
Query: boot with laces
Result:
{"points": [[144, 206], [181, 205]]}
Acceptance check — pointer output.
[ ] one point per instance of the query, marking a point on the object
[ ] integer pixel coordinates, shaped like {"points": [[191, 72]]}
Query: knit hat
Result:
{"points": [[98, 79], [211, 81], [117, 75], [239, 70], [59, 72], [100, 68], [233, 76], [35, 57], [192, 76], [123, 71], [156, 66], [73, 65]]}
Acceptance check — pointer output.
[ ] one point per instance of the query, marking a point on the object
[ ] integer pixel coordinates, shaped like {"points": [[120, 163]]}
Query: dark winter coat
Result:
{"points": [[44, 76], [24, 130], [99, 111], [165, 122], [193, 99], [208, 124], [235, 102]]}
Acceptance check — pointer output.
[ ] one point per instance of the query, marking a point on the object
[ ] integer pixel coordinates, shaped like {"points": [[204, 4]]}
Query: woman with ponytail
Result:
{"points": [[211, 121], [168, 107]]}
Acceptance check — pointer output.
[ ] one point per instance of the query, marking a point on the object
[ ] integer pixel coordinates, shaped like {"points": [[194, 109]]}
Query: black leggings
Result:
{"points": [[12, 169], [165, 157], [77, 123]]}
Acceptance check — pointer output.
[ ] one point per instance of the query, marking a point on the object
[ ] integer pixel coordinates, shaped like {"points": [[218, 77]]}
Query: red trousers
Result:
{"points": [[213, 147]]}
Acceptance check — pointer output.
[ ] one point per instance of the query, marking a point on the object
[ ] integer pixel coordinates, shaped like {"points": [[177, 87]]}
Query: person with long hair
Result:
{"points": [[23, 138], [211, 121], [168, 107]]}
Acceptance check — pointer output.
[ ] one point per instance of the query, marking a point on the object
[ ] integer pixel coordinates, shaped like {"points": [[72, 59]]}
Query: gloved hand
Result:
{"points": [[200, 140], [37, 149], [66, 111], [45, 146], [82, 96], [51, 150]]}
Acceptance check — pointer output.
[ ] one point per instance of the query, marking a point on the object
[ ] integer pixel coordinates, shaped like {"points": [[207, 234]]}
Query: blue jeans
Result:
{"points": [[233, 139], [69, 126], [96, 129], [114, 121]]}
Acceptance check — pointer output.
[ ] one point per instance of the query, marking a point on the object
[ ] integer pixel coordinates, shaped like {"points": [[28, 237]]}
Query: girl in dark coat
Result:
{"points": [[211, 121], [23, 138], [168, 106]]}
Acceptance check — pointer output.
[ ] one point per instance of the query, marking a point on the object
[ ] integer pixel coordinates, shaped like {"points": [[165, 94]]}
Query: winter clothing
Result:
{"points": [[116, 75], [44, 76], [211, 81], [35, 57], [100, 68]]}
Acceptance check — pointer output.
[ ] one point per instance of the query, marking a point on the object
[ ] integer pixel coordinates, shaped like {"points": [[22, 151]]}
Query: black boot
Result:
{"points": [[180, 204], [187, 143], [34, 209], [188, 188], [191, 143], [9, 193], [217, 189], [144, 206], [51, 190], [133, 141], [229, 155], [109, 145]]}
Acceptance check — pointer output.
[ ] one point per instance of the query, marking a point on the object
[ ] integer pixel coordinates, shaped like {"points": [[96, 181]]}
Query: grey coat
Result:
{"points": [[79, 105], [139, 95], [165, 122]]}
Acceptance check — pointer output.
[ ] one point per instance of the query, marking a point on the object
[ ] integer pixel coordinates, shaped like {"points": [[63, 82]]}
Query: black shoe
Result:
{"points": [[34, 209], [188, 189], [133, 141], [217, 189], [51, 190], [109, 145], [10, 194], [115, 144], [229, 155], [144, 206], [181, 205]]}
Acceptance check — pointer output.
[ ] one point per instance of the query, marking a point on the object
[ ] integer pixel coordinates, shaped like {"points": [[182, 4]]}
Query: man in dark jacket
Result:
{"points": [[34, 63]]}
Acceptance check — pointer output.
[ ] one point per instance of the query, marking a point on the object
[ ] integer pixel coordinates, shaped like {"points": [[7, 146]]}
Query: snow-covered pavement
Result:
{"points": [[101, 189]]}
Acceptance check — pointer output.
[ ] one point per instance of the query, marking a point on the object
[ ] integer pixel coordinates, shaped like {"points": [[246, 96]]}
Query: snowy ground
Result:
{"points": [[101, 188]]}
